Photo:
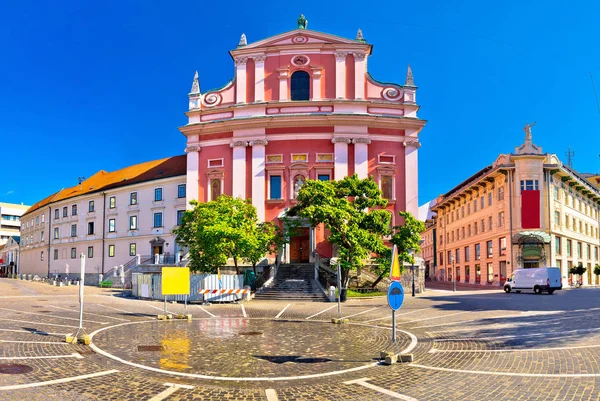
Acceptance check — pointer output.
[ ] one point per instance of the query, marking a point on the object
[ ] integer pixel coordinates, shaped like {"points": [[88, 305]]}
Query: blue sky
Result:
{"points": [[101, 85]]}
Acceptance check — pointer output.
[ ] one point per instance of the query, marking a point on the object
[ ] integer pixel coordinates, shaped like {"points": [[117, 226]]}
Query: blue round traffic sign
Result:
{"points": [[395, 295]]}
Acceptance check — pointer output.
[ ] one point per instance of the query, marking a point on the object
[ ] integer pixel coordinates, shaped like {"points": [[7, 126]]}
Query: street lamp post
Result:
{"points": [[453, 274], [412, 254]]}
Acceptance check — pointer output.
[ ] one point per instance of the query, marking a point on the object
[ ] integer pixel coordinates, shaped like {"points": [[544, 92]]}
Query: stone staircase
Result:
{"points": [[293, 282]]}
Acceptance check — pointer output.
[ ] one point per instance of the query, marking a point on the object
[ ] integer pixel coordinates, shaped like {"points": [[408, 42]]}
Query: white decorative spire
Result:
{"points": [[195, 85], [409, 77], [359, 36], [243, 41]]}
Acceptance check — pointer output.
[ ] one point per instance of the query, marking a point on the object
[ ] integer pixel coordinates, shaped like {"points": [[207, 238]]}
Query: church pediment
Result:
{"points": [[298, 37]]}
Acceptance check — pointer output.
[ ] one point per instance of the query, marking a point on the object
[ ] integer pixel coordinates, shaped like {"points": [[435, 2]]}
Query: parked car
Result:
{"points": [[538, 280]]}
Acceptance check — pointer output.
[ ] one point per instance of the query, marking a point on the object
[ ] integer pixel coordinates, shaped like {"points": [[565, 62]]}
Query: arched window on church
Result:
{"points": [[300, 85], [215, 189], [298, 182]]}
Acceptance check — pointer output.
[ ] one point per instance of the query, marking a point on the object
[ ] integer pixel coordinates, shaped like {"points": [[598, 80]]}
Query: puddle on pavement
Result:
{"points": [[14, 369]]}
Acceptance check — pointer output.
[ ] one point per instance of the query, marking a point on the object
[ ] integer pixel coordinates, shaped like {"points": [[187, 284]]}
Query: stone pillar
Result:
{"points": [[360, 68], [361, 157], [259, 78], [193, 169], [239, 169], [283, 83], [240, 79], [258, 176], [340, 149], [340, 75], [411, 171], [316, 82]]}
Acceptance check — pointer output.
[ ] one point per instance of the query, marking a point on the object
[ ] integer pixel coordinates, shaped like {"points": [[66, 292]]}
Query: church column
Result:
{"points": [[340, 75], [191, 183], [360, 69], [411, 171], [258, 176], [240, 78], [340, 149], [361, 157], [259, 78], [283, 83], [239, 169], [316, 82]]}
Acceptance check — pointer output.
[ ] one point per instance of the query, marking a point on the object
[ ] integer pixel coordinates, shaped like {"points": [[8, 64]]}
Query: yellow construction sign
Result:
{"points": [[395, 270], [175, 280]]}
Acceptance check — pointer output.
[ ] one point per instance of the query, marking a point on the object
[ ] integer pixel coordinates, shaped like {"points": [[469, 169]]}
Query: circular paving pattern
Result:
{"points": [[246, 349]]}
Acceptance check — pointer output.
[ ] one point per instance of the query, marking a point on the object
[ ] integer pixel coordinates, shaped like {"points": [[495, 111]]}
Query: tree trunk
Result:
{"points": [[237, 271], [377, 281], [254, 268]]}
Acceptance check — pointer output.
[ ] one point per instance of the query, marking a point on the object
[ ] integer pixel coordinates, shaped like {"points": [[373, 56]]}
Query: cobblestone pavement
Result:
{"points": [[475, 345]]}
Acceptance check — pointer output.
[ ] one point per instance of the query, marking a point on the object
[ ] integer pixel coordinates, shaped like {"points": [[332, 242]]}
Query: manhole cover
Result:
{"points": [[14, 369], [146, 348], [251, 333]]}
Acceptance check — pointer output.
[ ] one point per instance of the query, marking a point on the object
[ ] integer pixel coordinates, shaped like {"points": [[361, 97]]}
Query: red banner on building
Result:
{"points": [[530, 209]]}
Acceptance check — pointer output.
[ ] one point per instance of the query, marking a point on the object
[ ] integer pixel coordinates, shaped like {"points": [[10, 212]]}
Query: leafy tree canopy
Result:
{"points": [[351, 210], [224, 228], [406, 237]]}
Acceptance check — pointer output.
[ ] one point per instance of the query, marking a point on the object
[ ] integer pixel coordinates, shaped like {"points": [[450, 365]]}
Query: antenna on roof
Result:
{"points": [[81, 179], [570, 155]]}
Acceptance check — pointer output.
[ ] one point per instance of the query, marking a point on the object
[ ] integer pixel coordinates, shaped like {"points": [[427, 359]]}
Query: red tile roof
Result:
{"points": [[102, 180]]}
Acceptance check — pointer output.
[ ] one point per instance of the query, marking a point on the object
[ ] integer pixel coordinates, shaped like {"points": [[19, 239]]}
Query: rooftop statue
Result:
{"points": [[527, 130], [302, 22]]}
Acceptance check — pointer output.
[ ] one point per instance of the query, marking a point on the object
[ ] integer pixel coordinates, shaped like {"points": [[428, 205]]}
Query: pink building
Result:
{"points": [[302, 105]]}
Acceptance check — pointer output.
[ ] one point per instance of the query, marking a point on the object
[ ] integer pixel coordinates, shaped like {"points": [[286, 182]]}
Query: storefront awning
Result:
{"points": [[531, 237]]}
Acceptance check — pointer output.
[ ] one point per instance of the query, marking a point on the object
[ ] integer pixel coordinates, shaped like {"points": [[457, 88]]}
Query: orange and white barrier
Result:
{"points": [[224, 292]]}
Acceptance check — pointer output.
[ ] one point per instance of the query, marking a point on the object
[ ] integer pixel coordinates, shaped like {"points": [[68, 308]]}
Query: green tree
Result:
{"points": [[597, 270], [350, 210], [578, 270], [266, 238], [217, 230], [406, 236]]}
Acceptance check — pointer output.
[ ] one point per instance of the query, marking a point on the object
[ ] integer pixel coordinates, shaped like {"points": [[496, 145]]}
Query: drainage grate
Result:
{"points": [[146, 348], [14, 369], [251, 333]]}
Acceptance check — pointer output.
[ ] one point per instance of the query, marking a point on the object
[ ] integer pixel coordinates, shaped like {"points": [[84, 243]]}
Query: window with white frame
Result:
{"points": [[132, 249], [133, 198], [73, 230], [158, 221], [529, 185], [55, 232], [91, 206], [90, 228], [133, 222], [111, 251], [111, 225], [112, 202], [181, 191], [90, 252], [158, 194], [73, 253], [56, 254]]}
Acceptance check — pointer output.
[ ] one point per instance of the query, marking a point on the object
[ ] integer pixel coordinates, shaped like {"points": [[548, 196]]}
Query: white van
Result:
{"points": [[540, 279]]}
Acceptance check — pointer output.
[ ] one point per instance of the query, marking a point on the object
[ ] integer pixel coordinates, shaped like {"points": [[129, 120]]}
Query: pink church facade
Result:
{"points": [[302, 105]]}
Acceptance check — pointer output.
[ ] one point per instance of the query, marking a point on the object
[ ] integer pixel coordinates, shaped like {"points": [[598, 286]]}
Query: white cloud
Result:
{"points": [[10, 192]]}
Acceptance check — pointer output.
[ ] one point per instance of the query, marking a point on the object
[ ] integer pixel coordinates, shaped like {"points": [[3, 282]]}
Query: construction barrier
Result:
{"points": [[149, 285]]}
